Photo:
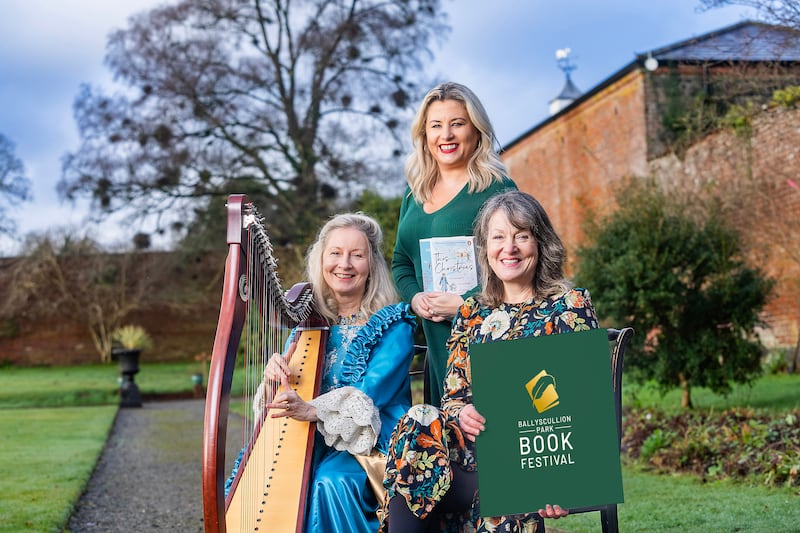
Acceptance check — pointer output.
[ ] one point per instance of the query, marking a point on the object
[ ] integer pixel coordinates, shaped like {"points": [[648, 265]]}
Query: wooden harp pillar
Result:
{"points": [[268, 492]]}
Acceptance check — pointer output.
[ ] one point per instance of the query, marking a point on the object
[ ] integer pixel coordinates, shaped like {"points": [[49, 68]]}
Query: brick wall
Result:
{"points": [[176, 337], [570, 164], [751, 170], [182, 325]]}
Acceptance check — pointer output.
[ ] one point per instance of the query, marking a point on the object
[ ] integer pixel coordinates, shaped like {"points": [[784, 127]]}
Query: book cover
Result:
{"points": [[551, 433], [448, 264]]}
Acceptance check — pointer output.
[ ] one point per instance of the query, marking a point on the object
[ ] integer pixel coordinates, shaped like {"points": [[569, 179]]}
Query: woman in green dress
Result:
{"points": [[451, 172]]}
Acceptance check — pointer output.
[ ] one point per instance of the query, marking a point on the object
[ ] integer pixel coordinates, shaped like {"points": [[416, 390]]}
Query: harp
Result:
{"points": [[269, 490]]}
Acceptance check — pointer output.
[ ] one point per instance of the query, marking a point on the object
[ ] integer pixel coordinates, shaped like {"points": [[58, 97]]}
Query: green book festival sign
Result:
{"points": [[551, 431]]}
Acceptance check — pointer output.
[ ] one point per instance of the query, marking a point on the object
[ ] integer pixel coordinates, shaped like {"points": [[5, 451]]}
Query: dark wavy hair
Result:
{"points": [[525, 213]]}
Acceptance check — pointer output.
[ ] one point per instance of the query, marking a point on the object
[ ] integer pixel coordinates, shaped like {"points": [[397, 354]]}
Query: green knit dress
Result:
{"points": [[453, 219]]}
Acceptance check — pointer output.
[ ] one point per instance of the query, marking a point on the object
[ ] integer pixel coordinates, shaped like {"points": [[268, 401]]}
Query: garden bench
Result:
{"points": [[620, 339]]}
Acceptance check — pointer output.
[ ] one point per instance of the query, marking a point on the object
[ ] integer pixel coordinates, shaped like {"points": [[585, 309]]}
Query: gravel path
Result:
{"points": [[148, 477]]}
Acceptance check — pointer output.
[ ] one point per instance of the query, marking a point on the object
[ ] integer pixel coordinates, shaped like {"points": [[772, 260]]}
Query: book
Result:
{"points": [[551, 430], [448, 264]]}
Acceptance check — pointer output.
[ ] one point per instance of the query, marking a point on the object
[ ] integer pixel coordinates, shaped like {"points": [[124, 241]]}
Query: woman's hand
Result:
{"points": [[553, 511], [436, 306], [471, 422], [277, 370], [444, 305], [421, 306], [289, 403]]}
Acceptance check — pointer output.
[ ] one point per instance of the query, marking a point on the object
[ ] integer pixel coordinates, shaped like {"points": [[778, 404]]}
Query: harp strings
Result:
{"points": [[269, 319]]}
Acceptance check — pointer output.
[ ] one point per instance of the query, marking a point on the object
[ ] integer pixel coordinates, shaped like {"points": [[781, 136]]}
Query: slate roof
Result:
{"points": [[744, 41]]}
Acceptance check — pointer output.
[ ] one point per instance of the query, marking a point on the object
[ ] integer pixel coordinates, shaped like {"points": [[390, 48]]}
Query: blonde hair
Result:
{"points": [[525, 213], [483, 167], [379, 291]]}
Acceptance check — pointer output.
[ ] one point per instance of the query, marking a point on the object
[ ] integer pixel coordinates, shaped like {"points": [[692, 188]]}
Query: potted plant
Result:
{"points": [[129, 342], [132, 337]]}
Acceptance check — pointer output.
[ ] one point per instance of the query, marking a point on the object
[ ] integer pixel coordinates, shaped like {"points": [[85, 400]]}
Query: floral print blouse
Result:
{"points": [[426, 441]]}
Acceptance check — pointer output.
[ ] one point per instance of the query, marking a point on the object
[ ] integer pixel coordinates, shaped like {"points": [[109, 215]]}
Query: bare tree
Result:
{"points": [[764, 206], [783, 12], [304, 97], [73, 279], [14, 186], [756, 191]]}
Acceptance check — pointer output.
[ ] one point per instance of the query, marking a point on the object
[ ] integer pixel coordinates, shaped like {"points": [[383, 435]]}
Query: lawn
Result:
{"points": [[87, 384], [773, 392], [54, 421], [47, 456], [53, 425], [655, 503]]}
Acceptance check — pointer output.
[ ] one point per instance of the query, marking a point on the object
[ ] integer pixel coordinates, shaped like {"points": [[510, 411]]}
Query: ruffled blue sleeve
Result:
{"points": [[393, 321], [378, 362]]}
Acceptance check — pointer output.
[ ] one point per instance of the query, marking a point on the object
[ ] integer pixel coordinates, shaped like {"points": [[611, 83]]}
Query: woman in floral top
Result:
{"points": [[431, 476]]}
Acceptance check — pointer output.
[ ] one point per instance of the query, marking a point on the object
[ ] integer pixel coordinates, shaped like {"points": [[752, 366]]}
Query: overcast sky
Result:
{"points": [[504, 50]]}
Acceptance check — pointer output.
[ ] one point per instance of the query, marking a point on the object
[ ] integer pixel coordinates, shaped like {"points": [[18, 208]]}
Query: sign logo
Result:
{"points": [[542, 390]]}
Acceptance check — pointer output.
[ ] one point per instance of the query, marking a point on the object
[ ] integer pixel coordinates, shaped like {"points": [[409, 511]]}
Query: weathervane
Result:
{"points": [[569, 93], [563, 60]]}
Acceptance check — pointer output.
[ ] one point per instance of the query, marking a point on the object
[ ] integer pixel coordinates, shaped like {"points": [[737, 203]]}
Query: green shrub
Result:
{"points": [[657, 440], [775, 362], [740, 119], [740, 444], [788, 96]]}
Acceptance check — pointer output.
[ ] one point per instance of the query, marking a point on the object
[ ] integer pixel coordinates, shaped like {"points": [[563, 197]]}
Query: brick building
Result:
{"points": [[663, 115]]}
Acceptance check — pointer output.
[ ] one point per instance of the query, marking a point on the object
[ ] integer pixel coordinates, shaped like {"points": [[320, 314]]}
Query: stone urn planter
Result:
{"points": [[130, 341], [129, 395], [128, 360]]}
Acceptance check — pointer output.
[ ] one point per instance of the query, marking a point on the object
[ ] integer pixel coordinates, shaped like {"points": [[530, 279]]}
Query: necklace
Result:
{"points": [[349, 320]]}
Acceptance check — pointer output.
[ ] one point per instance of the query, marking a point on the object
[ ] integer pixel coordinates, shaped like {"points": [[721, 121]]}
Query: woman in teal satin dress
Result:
{"points": [[365, 385]]}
